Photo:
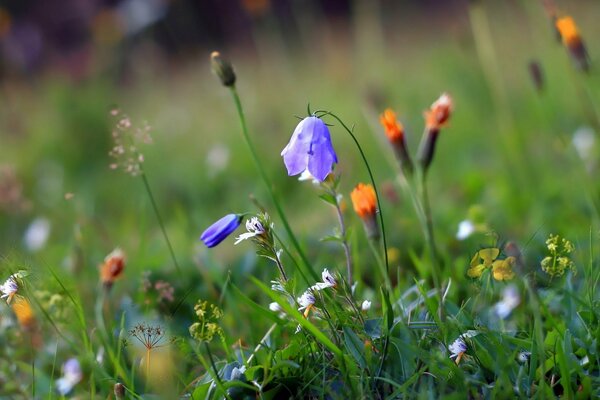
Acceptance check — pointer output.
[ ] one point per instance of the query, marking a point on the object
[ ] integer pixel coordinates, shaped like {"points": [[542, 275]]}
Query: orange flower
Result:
{"points": [[439, 113], [364, 200], [113, 267], [393, 128], [568, 31], [23, 312]]}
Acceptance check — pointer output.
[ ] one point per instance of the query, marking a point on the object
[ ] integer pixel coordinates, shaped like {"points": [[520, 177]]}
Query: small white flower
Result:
{"points": [[298, 329], [306, 300], [72, 375], [523, 356], [276, 286], [465, 229], [9, 288], [366, 305], [459, 347], [510, 300], [254, 228], [275, 307], [328, 281], [583, 140], [37, 234]]}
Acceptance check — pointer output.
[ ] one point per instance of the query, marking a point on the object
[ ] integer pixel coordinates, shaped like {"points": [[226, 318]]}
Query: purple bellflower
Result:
{"points": [[310, 149], [217, 232]]}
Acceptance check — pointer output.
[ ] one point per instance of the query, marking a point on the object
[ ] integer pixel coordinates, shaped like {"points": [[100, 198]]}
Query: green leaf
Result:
{"points": [[355, 346], [329, 198], [373, 327]]}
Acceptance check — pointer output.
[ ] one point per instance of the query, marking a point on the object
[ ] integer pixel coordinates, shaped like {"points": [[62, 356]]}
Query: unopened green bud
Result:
{"points": [[223, 69]]}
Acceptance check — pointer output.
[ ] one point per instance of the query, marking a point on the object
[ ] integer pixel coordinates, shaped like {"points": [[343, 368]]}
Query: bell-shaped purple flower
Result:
{"points": [[310, 149], [218, 231]]}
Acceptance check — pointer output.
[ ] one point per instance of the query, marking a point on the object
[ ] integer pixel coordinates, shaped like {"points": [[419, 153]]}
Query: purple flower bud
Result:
{"points": [[218, 231], [310, 149]]}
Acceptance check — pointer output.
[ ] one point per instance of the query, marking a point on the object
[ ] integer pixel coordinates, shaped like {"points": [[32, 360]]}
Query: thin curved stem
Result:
{"points": [[362, 154], [268, 184], [160, 221]]}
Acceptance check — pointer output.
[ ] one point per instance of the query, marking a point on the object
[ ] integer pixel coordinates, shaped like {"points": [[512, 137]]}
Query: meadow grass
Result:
{"points": [[314, 303]]}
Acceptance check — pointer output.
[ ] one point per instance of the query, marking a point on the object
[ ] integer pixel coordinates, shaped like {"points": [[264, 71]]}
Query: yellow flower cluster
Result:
{"points": [[487, 258], [558, 261], [209, 315]]}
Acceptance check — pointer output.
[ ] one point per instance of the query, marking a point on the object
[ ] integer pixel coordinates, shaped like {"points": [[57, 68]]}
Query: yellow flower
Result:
{"points": [[486, 259], [483, 259], [502, 269]]}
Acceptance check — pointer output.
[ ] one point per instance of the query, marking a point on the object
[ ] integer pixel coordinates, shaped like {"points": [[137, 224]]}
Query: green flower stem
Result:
{"points": [[268, 184], [382, 269], [160, 221], [345, 245], [429, 234], [362, 154]]}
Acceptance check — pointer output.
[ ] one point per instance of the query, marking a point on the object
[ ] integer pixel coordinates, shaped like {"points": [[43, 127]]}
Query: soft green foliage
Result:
{"points": [[510, 310]]}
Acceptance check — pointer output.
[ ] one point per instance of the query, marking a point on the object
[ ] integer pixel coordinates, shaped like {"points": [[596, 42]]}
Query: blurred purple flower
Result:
{"points": [[310, 149], [218, 231]]}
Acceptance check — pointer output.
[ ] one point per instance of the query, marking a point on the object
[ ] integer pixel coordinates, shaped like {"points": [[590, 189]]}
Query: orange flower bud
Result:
{"points": [[364, 201], [571, 38], [395, 133], [393, 128], [112, 268], [439, 113]]}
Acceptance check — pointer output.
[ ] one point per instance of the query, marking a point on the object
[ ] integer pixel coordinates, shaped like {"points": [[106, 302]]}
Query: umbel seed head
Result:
{"points": [[223, 69]]}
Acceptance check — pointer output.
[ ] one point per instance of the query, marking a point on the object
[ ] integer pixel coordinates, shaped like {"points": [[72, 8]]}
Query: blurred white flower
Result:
{"points": [[583, 140], [523, 356], [306, 300], [9, 288], [275, 307], [366, 305], [510, 300], [37, 234], [465, 229], [72, 375], [217, 159]]}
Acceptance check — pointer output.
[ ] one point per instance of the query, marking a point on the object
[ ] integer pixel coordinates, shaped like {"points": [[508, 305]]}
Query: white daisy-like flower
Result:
{"points": [[366, 305], [328, 281], [254, 228], [72, 375], [510, 300], [9, 288], [465, 229]]}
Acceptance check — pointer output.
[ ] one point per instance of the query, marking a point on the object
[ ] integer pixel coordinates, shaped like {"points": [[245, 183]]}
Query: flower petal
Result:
{"points": [[322, 156], [219, 230], [295, 154]]}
